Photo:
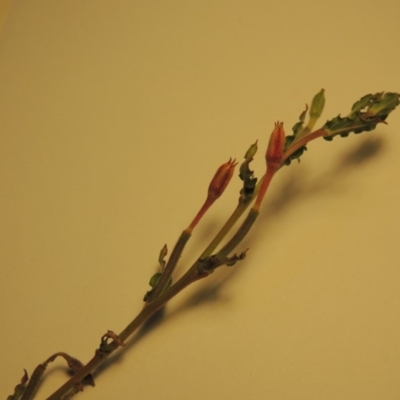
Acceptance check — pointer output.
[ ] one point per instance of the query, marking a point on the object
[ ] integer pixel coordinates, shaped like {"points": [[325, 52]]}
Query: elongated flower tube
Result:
{"points": [[276, 146], [273, 158], [221, 179], [161, 281], [217, 186]]}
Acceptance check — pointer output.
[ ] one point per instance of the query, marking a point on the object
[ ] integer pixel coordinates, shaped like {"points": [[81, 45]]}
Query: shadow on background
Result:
{"points": [[297, 187]]}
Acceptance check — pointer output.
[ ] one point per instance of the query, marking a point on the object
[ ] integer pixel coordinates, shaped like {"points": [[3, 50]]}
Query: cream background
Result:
{"points": [[114, 116]]}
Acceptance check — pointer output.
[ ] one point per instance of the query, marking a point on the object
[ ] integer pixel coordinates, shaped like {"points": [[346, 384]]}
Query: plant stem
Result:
{"points": [[237, 213], [296, 145], [171, 264], [193, 274], [239, 235], [33, 383], [235, 216], [189, 277]]}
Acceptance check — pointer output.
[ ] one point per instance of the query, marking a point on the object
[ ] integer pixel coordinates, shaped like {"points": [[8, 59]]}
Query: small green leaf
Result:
{"points": [[153, 282], [154, 279], [297, 132], [298, 126], [247, 175], [365, 115], [161, 256], [317, 106], [297, 154]]}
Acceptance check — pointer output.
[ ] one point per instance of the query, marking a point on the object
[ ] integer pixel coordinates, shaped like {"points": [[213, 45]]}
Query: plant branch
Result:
{"points": [[239, 235], [149, 309], [169, 268], [237, 213], [364, 116]]}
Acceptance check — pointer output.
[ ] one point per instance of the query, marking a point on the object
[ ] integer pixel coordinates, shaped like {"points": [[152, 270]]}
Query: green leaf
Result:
{"points": [[247, 175], [153, 282], [297, 132], [365, 115], [383, 105], [317, 106], [298, 126], [297, 154], [361, 104], [161, 256], [154, 279]]}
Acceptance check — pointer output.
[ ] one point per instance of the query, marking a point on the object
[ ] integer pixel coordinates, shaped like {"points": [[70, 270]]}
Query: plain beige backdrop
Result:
{"points": [[113, 117]]}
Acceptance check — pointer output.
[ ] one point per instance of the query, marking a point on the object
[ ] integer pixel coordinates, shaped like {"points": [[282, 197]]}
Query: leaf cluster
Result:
{"points": [[365, 114]]}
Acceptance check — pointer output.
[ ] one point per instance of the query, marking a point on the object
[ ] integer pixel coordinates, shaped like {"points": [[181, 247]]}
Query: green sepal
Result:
{"points": [[365, 115]]}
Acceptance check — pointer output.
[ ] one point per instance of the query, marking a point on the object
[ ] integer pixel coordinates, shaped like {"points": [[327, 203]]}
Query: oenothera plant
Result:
{"points": [[365, 115]]}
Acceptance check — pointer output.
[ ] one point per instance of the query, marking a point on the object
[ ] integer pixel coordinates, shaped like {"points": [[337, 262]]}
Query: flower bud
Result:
{"points": [[317, 105], [276, 146], [252, 150], [221, 179], [217, 186]]}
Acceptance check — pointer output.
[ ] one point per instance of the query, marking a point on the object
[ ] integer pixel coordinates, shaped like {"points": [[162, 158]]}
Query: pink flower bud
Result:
{"points": [[217, 186], [221, 179], [273, 156], [276, 146]]}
